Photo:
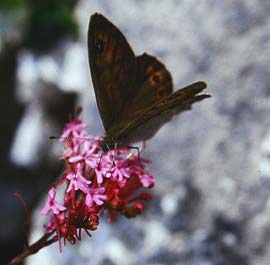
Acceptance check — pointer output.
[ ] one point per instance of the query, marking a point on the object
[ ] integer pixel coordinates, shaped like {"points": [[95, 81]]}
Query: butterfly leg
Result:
{"points": [[114, 148], [108, 148], [138, 151], [100, 158]]}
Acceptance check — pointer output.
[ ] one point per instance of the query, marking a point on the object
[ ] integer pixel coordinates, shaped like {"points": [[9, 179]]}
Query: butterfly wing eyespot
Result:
{"points": [[161, 83], [156, 78], [100, 45], [161, 92]]}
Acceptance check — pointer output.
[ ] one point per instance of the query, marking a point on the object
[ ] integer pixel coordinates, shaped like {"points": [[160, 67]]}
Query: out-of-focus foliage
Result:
{"points": [[46, 21], [49, 21], [9, 4]]}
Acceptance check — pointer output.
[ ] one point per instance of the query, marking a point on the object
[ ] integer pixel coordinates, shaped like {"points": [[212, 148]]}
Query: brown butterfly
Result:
{"points": [[134, 93]]}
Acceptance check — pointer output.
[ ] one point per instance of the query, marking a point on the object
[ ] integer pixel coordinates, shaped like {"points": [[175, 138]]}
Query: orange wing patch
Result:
{"points": [[110, 52], [149, 70], [119, 54], [155, 79]]}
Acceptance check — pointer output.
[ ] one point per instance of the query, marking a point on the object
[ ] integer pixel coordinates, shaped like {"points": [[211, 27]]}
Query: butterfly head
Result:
{"points": [[107, 144]]}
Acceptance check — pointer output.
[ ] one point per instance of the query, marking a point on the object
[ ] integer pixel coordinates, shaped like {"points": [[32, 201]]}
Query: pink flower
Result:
{"points": [[95, 196], [74, 129], [102, 167], [87, 154], [147, 180], [119, 170], [77, 181], [96, 182], [52, 205]]}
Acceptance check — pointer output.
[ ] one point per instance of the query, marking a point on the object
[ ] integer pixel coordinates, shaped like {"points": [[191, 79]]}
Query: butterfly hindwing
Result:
{"points": [[151, 119], [113, 68], [153, 82], [153, 75]]}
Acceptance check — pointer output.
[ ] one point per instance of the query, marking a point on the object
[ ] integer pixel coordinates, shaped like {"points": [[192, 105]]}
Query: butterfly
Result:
{"points": [[134, 93]]}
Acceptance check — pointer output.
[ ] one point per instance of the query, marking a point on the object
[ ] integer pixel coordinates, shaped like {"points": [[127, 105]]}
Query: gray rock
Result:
{"points": [[212, 165]]}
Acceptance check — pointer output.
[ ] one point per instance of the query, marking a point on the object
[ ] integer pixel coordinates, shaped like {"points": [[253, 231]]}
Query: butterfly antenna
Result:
{"points": [[59, 137], [70, 138]]}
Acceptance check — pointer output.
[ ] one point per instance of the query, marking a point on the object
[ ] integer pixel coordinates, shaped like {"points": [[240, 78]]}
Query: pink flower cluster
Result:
{"points": [[94, 182]]}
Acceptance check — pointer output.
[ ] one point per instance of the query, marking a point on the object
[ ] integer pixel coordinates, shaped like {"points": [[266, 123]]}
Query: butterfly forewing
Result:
{"points": [[113, 68]]}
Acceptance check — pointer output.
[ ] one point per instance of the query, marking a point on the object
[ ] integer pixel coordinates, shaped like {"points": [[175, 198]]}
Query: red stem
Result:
{"points": [[27, 217], [34, 248]]}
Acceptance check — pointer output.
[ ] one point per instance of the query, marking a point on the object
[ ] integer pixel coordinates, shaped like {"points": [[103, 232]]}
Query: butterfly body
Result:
{"points": [[134, 93]]}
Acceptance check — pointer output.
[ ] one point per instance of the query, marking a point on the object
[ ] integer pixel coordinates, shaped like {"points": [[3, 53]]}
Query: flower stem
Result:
{"points": [[44, 241]]}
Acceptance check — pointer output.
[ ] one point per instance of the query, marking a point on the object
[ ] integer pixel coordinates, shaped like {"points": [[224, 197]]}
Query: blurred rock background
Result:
{"points": [[211, 201]]}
